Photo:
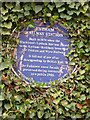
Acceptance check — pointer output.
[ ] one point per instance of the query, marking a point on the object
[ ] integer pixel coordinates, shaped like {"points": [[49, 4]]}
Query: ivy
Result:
{"points": [[38, 8], [67, 98], [4, 10]]}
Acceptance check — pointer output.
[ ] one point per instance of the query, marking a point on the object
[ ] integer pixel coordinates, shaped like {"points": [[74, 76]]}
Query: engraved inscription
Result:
{"points": [[42, 53]]}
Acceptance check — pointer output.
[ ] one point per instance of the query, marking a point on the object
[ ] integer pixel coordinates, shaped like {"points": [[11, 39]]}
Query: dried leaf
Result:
{"points": [[51, 99], [78, 32], [68, 91], [64, 103], [15, 51], [4, 78], [88, 101], [79, 106]]}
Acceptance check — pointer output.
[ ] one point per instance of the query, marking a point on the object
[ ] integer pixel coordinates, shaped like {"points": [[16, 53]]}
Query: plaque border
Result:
{"points": [[18, 74]]}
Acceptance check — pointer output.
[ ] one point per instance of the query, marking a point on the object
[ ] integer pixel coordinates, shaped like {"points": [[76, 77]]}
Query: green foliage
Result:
{"points": [[38, 8], [5, 64], [68, 98]]}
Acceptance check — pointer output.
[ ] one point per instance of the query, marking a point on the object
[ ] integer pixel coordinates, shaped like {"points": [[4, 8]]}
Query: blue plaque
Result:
{"points": [[42, 51]]}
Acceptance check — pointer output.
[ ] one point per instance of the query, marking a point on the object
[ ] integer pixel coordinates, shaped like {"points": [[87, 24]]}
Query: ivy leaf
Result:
{"points": [[7, 106], [38, 8], [77, 12], [4, 11], [55, 95], [87, 49], [70, 12], [18, 97], [27, 7], [80, 77], [4, 65], [7, 25], [32, 114], [33, 6], [60, 110], [82, 97], [17, 8], [20, 15], [81, 44], [5, 17], [31, 25], [9, 5], [77, 5], [14, 18], [47, 115], [59, 4], [72, 63], [1, 98], [26, 13], [88, 115], [83, 110], [51, 7], [55, 17], [5, 114], [62, 15], [87, 67], [72, 5], [46, 3], [22, 109], [82, 72], [48, 14], [61, 9], [2, 85], [40, 114], [5, 32], [56, 101], [71, 106], [68, 17], [85, 7]]}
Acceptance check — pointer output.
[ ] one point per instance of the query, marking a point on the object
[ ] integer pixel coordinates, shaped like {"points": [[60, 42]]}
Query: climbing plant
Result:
{"points": [[68, 98]]}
